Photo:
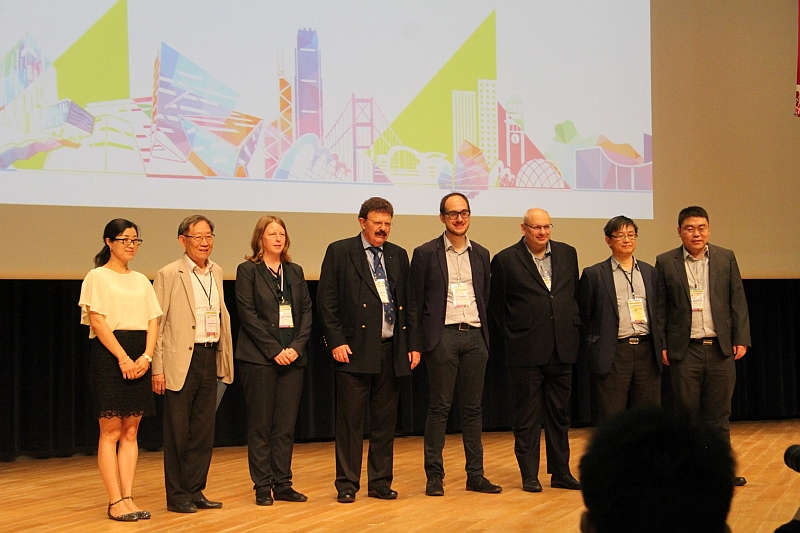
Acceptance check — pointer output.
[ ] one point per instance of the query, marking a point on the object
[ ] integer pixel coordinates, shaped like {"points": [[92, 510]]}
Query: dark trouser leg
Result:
{"points": [[258, 384], [556, 390], [352, 391], [526, 382], [718, 390], [646, 385], [612, 388], [442, 366], [189, 416], [471, 371], [383, 421], [688, 376], [287, 394]]}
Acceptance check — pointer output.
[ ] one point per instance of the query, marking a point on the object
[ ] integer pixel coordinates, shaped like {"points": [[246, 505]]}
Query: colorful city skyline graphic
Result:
{"points": [[77, 114]]}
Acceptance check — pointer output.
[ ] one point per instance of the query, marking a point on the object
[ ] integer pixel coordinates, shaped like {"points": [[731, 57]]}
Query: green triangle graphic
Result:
{"points": [[95, 67], [426, 124]]}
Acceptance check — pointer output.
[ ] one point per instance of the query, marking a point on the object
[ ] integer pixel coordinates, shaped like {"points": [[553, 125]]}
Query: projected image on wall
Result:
{"points": [[314, 106]]}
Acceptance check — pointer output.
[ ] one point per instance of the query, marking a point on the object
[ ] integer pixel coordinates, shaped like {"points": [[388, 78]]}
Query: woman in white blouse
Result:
{"points": [[121, 310]]}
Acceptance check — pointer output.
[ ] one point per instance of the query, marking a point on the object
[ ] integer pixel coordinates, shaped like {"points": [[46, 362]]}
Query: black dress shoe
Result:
{"points": [[289, 495], [531, 484], [434, 487], [204, 503], [346, 496], [481, 484], [384, 492], [739, 481], [182, 507], [564, 481], [264, 499]]}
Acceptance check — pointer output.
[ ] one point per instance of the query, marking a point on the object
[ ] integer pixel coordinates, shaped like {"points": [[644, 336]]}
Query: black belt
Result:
{"points": [[463, 326], [705, 341], [634, 339], [206, 344]]}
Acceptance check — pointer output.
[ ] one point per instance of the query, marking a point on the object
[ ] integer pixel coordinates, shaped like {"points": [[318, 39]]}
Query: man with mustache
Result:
{"points": [[703, 321], [450, 286], [361, 301]]}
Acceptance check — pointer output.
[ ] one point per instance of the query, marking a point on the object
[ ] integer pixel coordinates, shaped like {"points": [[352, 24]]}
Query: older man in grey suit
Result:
{"points": [[194, 348], [703, 321]]}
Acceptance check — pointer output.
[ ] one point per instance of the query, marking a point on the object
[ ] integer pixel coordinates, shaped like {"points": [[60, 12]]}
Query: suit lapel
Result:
{"points": [[186, 279], [359, 259], [441, 258], [712, 275], [526, 259], [262, 270], [607, 273], [680, 267]]}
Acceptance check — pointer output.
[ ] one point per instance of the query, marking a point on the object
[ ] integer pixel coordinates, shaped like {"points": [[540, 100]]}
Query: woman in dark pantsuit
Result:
{"points": [[275, 314]]}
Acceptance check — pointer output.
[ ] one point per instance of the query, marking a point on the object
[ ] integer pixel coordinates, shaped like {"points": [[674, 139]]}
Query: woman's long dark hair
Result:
{"points": [[113, 228]]}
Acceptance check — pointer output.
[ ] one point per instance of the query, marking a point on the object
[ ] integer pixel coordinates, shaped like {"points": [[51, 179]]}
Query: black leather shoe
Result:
{"points": [[564, 481], [739, 481], [182, 507], [531, 484], [264, 499], [289, 495], [481, 484], [434, 487], [384, 492], [204, 503], [346, 496]]}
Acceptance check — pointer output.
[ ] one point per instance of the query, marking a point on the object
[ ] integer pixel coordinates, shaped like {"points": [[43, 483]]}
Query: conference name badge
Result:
{"points": [[460, 294], [697, 296], [380, 284], [212, 322], [285, 316], [636, 309]]}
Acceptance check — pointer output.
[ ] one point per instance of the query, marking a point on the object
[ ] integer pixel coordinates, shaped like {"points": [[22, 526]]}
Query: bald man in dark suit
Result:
{"points": [[533, 297]]}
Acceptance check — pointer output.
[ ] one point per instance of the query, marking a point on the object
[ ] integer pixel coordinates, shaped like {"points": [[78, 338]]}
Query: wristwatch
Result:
{"points": [[149, 359]]}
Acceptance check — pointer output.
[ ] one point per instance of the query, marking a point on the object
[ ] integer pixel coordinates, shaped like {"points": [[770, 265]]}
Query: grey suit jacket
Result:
{"points": [[176, 327], [597, 298], [728, 303]]}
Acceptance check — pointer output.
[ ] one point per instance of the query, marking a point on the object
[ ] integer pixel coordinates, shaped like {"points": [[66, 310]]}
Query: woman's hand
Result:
{"points": [[286, 357], [142, 365], [128, 368]]}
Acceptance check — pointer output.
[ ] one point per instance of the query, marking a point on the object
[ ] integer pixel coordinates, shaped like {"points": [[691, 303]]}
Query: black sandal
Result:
{"points": [[141, 515], [127, 517]]}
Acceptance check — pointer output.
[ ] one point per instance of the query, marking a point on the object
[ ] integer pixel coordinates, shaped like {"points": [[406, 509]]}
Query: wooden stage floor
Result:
{"points": [[67, 494]]}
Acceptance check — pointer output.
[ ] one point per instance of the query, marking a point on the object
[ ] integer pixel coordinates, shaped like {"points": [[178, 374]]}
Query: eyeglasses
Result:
{"points": [[200, 238], [127, 242], [452, 215], [380, 224], [622, 237], [691, 229], [546, 227]]}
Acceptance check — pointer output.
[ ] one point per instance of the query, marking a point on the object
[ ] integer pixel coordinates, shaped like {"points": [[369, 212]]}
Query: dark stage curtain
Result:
{"points": [[45, 406]]}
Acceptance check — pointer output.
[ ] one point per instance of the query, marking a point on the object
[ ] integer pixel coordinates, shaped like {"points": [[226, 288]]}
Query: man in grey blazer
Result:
{"points": [[450, 288], [534, 292], [703, 321], [361, 301], [618, 301], [193, 350]]}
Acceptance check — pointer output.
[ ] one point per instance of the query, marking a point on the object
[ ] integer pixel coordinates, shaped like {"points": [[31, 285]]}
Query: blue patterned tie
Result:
{"points": [[380, 273]]}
